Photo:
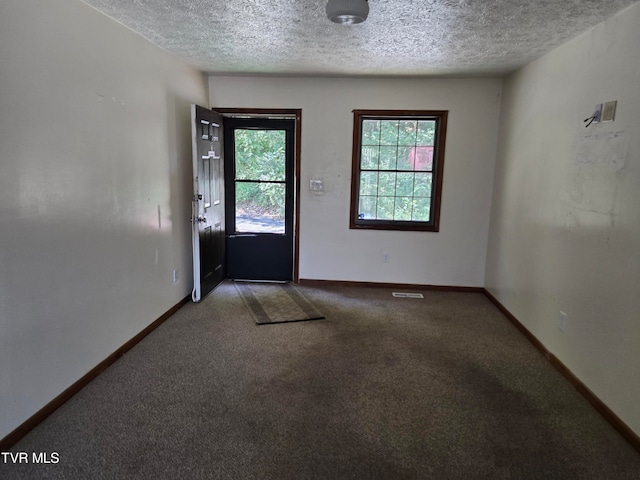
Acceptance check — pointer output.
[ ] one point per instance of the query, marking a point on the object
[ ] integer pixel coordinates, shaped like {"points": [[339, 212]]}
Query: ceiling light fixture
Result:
{"points": [[347, 12]]}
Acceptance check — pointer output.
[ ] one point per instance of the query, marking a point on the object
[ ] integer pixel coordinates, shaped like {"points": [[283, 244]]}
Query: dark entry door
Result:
{"points": [[208, 201], [259, 186]]}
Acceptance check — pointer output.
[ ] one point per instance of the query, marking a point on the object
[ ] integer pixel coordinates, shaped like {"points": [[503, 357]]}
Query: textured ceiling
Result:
{"points": [[400, 37]]}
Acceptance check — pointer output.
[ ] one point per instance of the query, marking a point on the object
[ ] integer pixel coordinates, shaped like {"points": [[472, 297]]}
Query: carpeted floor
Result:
{"points": [[384, 388]]}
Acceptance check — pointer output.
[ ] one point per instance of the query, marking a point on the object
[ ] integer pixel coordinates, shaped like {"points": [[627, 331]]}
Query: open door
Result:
{"points": [[208, 201]]}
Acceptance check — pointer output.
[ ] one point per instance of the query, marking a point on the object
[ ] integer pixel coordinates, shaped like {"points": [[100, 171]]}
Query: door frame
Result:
{"points": [[296, 115]]}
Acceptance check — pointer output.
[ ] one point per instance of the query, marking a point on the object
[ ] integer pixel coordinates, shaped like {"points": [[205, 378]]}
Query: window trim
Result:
{"points": [[440, 116]]}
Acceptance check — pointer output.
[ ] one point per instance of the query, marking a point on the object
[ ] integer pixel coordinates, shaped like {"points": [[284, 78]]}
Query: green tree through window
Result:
{"points": [[260, 160], [397, 169]]}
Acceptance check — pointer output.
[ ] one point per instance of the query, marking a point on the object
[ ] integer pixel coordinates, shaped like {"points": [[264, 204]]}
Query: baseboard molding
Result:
{"points": [[591, 397], [412, 286], [10, 440]]}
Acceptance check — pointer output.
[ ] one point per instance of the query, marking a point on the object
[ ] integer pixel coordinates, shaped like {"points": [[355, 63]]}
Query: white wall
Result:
{"points": [[329, 250], [94, 194], [565, 228]]}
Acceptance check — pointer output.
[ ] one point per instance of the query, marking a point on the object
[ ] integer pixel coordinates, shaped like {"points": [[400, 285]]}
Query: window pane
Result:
{"points": [[407, 132], [368, 206], [385, 208], [404, 158], [369, 183], [426, 132], [421, 158], [260, 154], [388, 132], [404, 184], [403, 208], [421, 209], [422, 186], [370, 132], [387, 185], [260, 207], [369, 157], [388, 158]]}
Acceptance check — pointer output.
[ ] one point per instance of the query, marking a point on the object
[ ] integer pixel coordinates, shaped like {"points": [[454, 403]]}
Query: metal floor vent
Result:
{"points": [[407, 295]]}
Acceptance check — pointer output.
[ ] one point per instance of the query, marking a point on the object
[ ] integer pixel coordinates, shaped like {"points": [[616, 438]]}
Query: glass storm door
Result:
{"points": [[259, 185]]}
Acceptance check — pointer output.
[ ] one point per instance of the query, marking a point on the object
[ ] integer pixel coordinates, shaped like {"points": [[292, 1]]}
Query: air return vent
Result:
{"points": [[407, 295]]}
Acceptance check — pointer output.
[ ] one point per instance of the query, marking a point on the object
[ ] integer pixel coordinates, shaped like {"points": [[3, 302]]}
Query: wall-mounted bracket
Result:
{"points": [[595, 118]]}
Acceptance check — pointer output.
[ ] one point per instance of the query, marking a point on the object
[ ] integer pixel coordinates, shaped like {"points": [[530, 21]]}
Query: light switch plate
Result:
{"points": [[316, 186], [609, 111]]}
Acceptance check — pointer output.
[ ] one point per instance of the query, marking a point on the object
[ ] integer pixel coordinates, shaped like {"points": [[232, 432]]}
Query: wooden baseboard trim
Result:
{"points": [[615, 421], [10, 440], [411, 286]]}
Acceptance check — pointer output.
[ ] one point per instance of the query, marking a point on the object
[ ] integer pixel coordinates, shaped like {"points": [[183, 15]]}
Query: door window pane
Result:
{"points": [[260, 207], [260, 154]]}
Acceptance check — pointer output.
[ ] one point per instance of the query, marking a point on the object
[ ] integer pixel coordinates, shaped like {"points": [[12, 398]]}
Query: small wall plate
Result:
{"points": [[609, 111], [316, 186], [407, 295]]}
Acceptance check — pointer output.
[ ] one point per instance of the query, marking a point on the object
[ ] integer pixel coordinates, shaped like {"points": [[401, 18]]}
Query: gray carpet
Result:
{"points": [[384, 388]]}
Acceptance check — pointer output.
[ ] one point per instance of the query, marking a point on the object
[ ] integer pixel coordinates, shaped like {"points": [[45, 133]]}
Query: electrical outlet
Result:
{"points": [[563, 321], [385, 257], [175, 276]]}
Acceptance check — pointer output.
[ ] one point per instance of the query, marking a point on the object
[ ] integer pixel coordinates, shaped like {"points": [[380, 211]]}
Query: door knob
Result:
{"points": [[201, 219]]}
